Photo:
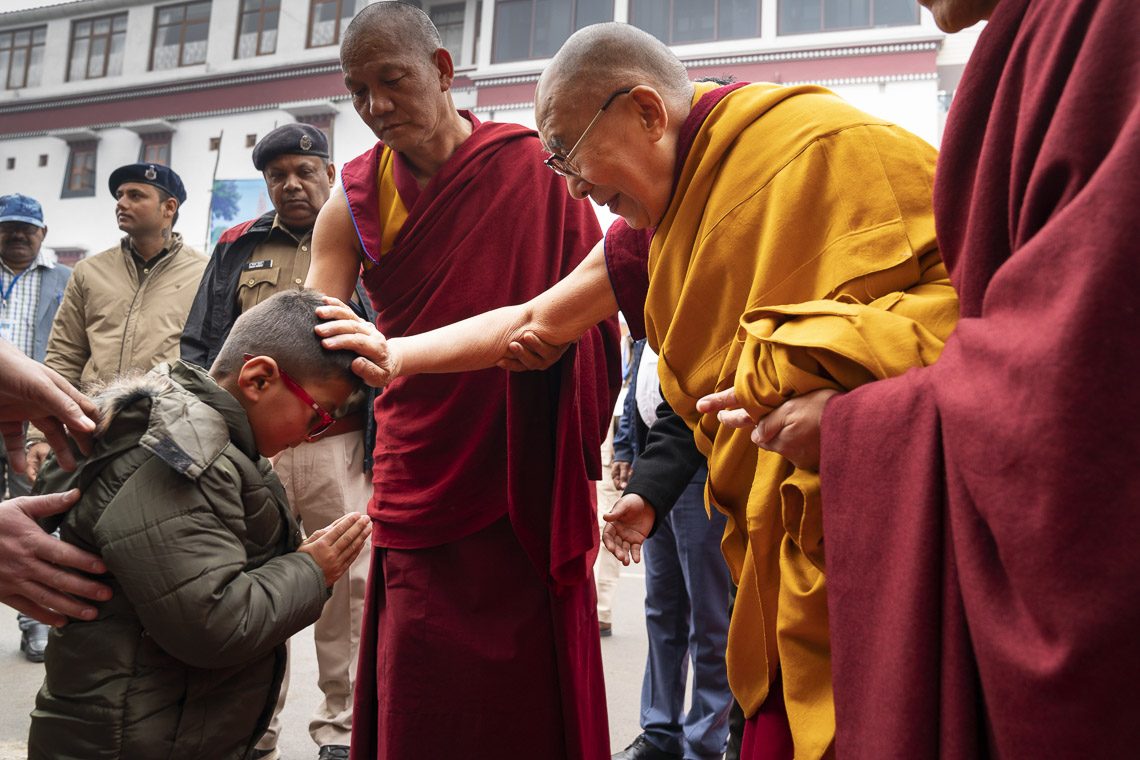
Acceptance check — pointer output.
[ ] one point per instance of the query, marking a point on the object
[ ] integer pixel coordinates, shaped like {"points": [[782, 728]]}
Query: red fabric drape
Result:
{"points": [[457, 452], [981, 516], [493, 227]]}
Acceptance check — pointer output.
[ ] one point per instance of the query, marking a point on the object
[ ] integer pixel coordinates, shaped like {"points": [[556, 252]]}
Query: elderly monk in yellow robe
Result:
{"points": [[775, 239]]}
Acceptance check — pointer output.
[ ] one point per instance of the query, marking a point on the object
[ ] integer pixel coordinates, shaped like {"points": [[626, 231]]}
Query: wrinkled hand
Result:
{"points": [[343, 329], [29, 391], [335, 547], [628, 524], [37, 455], [790, 430], [619, 474], [531, 352], [34, 574]]}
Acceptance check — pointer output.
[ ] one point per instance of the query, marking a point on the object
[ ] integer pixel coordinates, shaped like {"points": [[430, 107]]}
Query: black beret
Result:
{"points": [[290, 140], [162, 177]]}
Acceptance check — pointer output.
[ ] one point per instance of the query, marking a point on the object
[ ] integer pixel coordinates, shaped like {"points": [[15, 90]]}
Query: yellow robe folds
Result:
{"points": [[798, 252]]}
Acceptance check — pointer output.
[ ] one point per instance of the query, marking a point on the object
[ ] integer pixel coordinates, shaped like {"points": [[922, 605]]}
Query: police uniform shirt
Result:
{"points": [[278, 263]]}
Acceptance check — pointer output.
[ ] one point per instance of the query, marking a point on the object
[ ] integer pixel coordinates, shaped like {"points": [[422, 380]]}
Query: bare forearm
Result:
{"points": [[556, 317], [475, 343]]}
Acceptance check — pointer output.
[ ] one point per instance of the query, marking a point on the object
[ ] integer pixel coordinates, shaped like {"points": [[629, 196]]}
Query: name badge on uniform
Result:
{"points": [[265, 264]]}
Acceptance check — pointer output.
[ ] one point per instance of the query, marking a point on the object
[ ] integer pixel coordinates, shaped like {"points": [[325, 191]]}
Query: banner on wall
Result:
{"points": [[234, 201]]}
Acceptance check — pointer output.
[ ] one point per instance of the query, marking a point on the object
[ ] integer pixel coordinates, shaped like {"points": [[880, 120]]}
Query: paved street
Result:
{"points": [[623, 653]]}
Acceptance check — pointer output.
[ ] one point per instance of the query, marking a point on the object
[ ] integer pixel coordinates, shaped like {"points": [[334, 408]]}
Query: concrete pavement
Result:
{"points": [[623, 655]]}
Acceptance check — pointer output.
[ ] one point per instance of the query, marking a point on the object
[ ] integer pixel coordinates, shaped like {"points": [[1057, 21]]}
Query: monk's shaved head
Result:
{"points": [[601, 58], [389, 22]]}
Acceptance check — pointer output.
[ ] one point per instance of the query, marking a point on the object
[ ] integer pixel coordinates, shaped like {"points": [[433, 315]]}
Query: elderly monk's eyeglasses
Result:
{"points": [[324, 421], [562, 164]]}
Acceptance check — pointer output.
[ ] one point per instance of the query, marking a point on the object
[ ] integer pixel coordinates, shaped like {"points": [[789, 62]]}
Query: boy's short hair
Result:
{"points": [[282, 327]]}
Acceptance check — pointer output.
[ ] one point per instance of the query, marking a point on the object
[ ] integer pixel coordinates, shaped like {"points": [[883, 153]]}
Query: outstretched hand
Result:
{"points": [[530, 352], [29, 391], [628, 524], [791, 430], [345, 330], [34, 567], [335, 547]]}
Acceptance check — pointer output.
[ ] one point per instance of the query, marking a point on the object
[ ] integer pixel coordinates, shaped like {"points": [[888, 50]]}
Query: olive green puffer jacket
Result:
{"points": [[186, 659]]}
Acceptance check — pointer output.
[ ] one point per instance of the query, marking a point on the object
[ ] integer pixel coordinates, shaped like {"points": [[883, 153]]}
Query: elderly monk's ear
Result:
{"points": [[442, 60], [651, 111]]}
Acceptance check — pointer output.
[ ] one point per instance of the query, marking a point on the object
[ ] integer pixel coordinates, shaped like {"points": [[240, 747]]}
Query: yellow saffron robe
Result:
{"points": [[798, 252]]}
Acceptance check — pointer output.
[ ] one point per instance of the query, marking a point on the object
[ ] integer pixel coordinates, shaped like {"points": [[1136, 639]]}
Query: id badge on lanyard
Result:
{"points": [[7, 321]]}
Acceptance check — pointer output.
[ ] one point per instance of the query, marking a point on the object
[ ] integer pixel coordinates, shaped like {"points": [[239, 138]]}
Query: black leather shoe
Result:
{"points": [[643, 749], [333, 752], [33, 641]]}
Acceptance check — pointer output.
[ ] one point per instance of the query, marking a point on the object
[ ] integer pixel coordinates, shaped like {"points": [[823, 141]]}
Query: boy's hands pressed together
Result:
{"points": [[335, 547]]}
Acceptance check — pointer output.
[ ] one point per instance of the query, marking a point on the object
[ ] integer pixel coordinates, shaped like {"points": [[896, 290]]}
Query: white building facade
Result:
{"points": [[90, 85]]}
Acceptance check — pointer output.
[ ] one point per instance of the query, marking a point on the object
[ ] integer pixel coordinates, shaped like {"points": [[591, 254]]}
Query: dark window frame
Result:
{"points": [[530, 47], [824, 28], [263, 7], [28, 49], [155, 140], [109, 36], [441, 7], [182, 33], [672, 18], [75, 150], [340, 9]]}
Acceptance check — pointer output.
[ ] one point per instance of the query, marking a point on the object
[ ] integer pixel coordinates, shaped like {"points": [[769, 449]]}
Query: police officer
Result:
{"points": [[125, 307]]}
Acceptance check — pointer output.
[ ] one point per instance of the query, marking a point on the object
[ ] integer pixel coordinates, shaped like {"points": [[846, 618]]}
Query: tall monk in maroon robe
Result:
{"points": [[480, 637], [982, 516]]}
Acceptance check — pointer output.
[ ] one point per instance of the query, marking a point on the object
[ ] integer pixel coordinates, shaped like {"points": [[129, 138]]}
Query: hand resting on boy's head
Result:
{"points": [[335, 547]]}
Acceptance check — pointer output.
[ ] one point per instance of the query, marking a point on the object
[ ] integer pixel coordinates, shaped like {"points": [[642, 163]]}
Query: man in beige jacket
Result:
{"points": [[124, 308]]}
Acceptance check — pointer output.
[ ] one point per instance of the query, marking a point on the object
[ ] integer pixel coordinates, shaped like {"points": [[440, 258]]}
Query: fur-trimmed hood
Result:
{"points": [[182, 430]]}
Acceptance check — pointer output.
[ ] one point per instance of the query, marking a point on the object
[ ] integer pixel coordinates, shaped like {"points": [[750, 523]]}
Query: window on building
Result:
{"points": [[22, 57], [803, 16], [180, 33], [79, 179], [537, 28], [215, 143], [155, 148], [43, 159], [257, 28], [680, 22], [11, 162], [327, 19], [250, 140], [448, 19], [97, 47]]}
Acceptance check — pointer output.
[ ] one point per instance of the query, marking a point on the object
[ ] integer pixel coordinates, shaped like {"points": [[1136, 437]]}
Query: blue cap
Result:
{"points": [[21, 208], [162, 177]]}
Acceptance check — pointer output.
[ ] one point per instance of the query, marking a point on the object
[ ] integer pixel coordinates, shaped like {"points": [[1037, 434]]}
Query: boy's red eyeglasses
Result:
{"points": [[325, 420]]}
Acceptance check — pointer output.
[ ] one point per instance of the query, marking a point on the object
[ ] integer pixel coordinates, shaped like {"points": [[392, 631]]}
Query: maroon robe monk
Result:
{"points": [[982, 516], [481, 633]]}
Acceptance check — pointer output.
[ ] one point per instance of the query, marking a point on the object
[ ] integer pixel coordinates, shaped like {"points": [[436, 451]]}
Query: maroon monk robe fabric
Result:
{"points": [[478, 672], [982, 515], [457, 452]]}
